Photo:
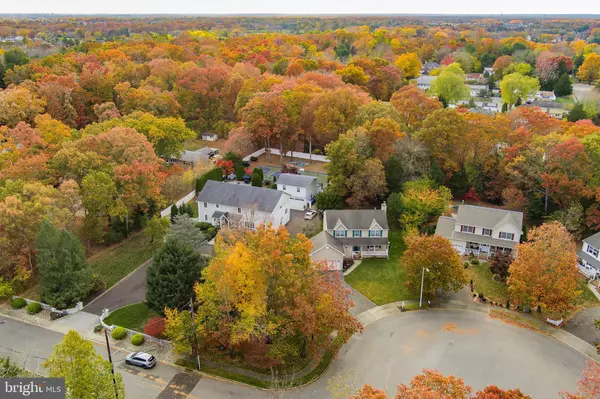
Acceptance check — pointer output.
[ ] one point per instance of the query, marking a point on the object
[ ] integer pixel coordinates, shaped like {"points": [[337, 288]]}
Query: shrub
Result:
{"points": [[203, 226], [466, 264], [474, 261], [34, 308], [317, 151], [253, 159], [98, 328], [118, 333], [155, 327], [507, 304], [18, 303], [481, 296], [212, 232], [137, 339], [245, 164], [496, 277]]}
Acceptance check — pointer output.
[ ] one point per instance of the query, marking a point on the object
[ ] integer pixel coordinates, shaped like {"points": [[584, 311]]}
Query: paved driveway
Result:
{"points": [[298, 225], [132, 289], [582, 325]]}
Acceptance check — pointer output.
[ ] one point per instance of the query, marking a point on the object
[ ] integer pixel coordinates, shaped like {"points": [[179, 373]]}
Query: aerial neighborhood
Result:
{"points": [[355, 205]]}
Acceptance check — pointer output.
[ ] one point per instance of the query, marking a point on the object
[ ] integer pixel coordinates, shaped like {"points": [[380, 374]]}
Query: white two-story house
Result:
{"points": [[351, 234], [241, 205], [302, 189], [480, 230], [588, 259]]}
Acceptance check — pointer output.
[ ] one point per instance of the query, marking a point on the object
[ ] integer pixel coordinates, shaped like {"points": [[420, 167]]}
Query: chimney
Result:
{"points": [[384, 207]]}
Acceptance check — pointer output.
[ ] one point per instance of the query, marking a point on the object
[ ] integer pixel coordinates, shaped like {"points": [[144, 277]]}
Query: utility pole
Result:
{"points": [[422, 281], [112, 367], [194, 332]]}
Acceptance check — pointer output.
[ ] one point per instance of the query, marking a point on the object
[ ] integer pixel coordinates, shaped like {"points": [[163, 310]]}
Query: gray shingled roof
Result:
{"points": [[322, 239], [593, 240], [291, 179], [240, 195], [445, 226], [489, 218], [359, 219]]}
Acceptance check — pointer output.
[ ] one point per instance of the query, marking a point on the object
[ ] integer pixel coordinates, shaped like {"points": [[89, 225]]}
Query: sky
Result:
{"points": [[188, 7]]}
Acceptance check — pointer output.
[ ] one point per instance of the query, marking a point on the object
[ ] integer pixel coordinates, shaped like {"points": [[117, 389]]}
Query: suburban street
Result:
{"points": [[468, 344]]}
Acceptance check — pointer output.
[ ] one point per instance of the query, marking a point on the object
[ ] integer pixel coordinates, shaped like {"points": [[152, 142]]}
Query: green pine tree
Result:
{"points": [[172, 274], [256, 180], [65, 276], [174, 213], [577, 113], [563, 86]]}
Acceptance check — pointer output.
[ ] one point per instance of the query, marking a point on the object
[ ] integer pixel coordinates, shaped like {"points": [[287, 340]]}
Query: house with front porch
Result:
{"points": [[481, 231], [240, 205], [588, 258], [351, 234]]}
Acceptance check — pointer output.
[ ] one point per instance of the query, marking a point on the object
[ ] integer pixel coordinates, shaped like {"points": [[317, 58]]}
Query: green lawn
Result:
{"points": [[382, 280], [587, 297], [133, 316], [118, 261], [565, 100], [483, 282]]}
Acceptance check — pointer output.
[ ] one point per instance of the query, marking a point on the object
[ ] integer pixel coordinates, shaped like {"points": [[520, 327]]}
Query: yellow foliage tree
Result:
{"points": [[409, 64]]}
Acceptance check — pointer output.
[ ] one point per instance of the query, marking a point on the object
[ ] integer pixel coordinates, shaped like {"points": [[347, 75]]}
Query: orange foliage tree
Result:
{"points": [[544, 272]]}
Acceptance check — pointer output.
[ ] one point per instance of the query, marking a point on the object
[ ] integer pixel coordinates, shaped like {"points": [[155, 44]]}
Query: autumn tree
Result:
{"points": [[263, 296], [544, 273], [500, 264], [433, 384], [443, 133], [421, 200], [437, 254], [450, 84], [414, 106], [589, 71], [19, 104], [409, 64], [514, 86], [85, 372]]}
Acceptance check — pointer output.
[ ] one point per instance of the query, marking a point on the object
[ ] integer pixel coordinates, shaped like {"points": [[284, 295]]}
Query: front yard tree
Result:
{"points": [[514, 86], [450, 84], [86, 374], [437, 254], [263, 297], [500, 264], [172, 274], [544, 273], [157, 228], [65, 276]]}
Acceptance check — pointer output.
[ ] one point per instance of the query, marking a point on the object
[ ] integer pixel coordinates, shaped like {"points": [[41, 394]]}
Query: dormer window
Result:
{"points": [[487, 232], [507, 236], [339, 233], [375, 233], [467, 229], [356, 233]]}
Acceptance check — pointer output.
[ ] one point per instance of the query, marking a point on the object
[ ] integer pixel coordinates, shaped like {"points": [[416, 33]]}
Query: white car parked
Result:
{"points": [[141, 359], [309, 215]]}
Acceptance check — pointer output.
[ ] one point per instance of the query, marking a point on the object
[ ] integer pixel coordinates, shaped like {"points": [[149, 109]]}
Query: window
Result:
{"points": [[591, 250], [467, 229], [506, 236], [239, 210], [217, 206], [297, 189], [205, 204], [339, 233], [487, 232], [249, 225], [252, 212], [356, 248], [356, 233], [375, 233], [205, 217], [284, 187]]}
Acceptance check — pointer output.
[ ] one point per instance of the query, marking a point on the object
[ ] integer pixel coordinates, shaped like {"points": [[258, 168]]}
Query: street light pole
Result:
{"points": [[422, 281]]}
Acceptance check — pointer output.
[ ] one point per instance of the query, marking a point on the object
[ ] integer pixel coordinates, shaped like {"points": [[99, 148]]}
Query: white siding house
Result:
{"points": [[479, 230], [588, 259], [240, 205], [302, 189]]}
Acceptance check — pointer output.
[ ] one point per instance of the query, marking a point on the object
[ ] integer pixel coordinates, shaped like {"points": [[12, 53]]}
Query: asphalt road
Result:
{"points": [[392, 350], [582, 325], [131, 289]]}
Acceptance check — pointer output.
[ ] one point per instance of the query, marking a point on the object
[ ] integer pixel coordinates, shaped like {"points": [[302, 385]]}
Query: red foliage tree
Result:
{"points": [[155, 327]]}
